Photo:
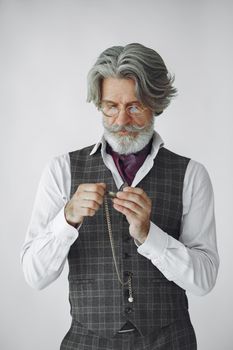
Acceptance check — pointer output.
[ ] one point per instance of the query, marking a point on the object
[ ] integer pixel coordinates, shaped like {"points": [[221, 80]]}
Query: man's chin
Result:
{"points": [[124, 138]]}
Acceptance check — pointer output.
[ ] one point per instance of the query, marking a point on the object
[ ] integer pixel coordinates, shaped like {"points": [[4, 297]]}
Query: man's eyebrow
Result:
{"points": [[128, 103]]}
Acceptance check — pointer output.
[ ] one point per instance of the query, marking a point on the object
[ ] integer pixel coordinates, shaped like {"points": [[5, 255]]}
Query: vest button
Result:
{"points": [[127, 255], [128, 310]]}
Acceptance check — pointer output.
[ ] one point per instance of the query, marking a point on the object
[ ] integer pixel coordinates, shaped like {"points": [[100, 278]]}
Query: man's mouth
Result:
{"points": [[124, 132]]}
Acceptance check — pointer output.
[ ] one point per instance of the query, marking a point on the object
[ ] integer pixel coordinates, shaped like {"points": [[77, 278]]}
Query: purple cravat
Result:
{"points": [[129, 164]]}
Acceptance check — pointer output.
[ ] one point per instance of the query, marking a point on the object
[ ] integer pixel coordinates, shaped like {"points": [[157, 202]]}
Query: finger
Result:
{"points": [[133, 197], [86, 211], [90, 204], [132, 206], [74, 213], [127, 212], [93, 187], [139, 191], [94, 196]]}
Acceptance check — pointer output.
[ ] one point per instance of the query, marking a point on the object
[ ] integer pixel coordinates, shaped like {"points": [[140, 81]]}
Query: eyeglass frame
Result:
{"points": [[125, 108]]}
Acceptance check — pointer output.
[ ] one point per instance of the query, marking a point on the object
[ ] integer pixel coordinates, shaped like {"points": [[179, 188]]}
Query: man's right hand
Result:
{"points": [[85, 202]]}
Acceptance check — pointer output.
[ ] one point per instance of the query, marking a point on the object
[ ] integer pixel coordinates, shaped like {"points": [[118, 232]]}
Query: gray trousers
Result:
{"points": [[177, 336]]}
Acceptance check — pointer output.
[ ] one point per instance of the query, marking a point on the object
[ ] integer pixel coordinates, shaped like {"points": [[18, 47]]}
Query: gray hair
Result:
{"points": [[153, 83]]}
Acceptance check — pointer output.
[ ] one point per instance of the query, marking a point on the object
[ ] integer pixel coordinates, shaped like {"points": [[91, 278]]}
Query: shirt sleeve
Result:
{"points": [[49, 236], [192, 261]]}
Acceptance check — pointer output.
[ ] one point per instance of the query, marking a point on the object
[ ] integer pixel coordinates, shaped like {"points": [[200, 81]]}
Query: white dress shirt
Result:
{"points": [[191, 262]]}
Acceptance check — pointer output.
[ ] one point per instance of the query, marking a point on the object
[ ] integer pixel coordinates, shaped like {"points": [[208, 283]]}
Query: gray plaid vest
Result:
{"points": [[98, 301]]}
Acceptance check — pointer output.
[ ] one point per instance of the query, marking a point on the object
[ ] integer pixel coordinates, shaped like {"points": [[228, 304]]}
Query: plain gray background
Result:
{"points": [[46, 50]]}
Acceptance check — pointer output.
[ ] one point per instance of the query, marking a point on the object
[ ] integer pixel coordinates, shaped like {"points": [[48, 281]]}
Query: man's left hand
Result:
{"points": [[136, 206]]}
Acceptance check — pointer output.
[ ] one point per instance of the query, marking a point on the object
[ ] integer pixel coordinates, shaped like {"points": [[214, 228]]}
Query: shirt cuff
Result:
{"points": [[64, 231], [155, 244]]}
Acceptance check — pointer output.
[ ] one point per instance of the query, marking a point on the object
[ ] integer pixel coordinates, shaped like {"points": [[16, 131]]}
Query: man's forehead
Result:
{"points": [[118, 90]]}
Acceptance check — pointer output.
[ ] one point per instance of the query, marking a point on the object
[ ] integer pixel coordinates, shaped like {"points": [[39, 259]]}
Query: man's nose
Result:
{"points": [[123, 118]]}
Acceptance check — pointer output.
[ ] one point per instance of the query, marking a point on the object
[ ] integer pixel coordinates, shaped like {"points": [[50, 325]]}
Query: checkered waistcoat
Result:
{"points": [[97, 299]]}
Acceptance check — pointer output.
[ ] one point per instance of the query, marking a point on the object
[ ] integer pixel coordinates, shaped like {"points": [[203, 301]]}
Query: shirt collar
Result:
{"points": [[156, 145]]}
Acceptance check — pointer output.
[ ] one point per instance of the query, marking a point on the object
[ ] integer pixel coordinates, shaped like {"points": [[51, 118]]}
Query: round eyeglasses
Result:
{"points": [[112, 111]]}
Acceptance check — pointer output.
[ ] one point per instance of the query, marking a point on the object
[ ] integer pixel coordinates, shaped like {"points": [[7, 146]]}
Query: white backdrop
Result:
{"points": [[46, 50]]}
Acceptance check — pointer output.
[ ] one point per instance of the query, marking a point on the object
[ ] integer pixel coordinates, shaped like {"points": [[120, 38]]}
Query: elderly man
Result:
{"points": [[135, 220]]}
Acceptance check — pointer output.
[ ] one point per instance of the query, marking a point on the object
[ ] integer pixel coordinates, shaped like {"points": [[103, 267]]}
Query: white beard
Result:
{"points": [[126, 144]]}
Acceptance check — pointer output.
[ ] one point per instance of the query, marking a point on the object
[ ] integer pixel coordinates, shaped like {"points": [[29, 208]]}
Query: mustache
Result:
{"points": [[118, 128]]}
